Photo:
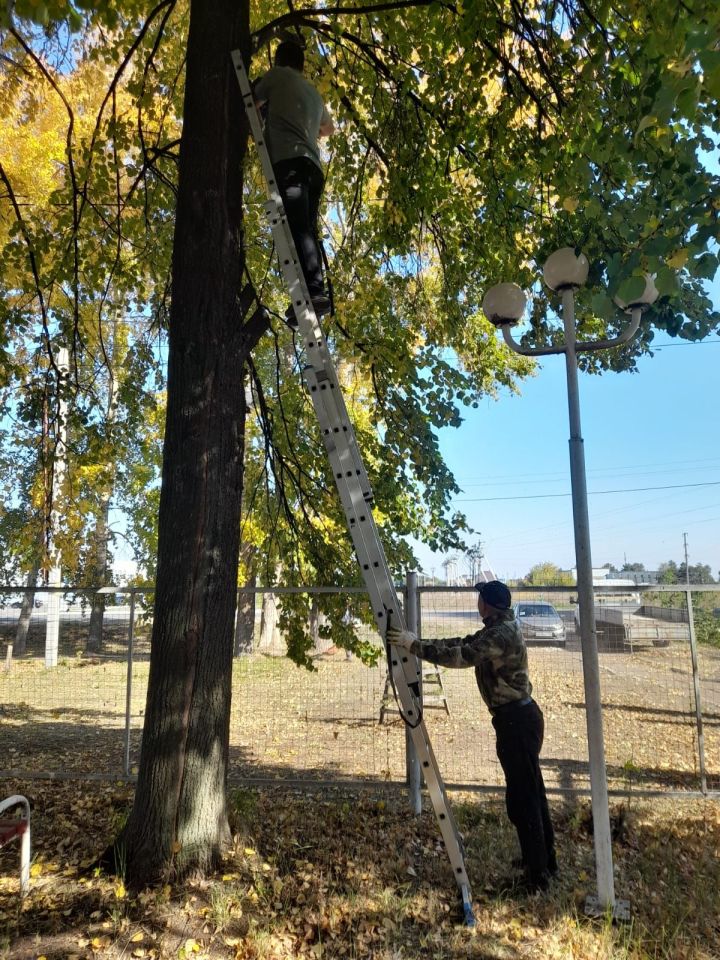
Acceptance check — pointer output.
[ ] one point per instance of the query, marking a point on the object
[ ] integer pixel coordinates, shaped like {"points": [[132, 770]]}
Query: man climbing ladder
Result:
{"points": [[295, 117], [355, 494]]}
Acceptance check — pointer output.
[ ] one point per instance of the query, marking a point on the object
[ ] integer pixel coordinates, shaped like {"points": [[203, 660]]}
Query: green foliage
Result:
{"points": [[549, 575], [469, 146], [707, 626], [672, 572]]}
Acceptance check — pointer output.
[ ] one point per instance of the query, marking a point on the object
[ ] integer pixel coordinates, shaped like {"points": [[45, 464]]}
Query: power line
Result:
{"points": [[685, 343], [591, 493], [555, 473]]}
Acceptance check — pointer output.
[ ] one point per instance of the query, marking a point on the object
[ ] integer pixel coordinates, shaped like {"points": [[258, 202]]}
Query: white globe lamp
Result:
{"points": [[504, 304], [648, 296], [565, 269]]}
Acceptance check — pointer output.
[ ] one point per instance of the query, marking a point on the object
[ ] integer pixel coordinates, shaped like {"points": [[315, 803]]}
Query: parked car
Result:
{"points": [[540, 621]]}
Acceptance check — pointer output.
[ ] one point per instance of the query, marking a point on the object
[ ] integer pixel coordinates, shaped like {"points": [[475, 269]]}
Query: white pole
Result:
{"points": [[588, 634], [52, 625]]}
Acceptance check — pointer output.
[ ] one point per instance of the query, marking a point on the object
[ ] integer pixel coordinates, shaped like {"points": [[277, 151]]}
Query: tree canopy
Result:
{"points": [[473, 138], [549, 575]]}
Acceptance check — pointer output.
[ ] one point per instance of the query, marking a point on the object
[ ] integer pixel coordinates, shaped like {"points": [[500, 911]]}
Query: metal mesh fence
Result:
{"points": [[68, 718], [83, 715]]}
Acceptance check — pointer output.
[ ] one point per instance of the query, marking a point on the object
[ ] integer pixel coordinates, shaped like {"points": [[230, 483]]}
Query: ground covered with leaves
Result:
{"points": [[350, 874]]}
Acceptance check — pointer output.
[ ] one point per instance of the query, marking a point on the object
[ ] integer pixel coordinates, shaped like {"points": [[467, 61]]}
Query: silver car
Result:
{"points": [[540, 622]]}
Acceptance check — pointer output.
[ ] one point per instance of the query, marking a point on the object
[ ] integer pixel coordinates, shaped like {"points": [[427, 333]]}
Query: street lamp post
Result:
{"points": [[504, 305]]}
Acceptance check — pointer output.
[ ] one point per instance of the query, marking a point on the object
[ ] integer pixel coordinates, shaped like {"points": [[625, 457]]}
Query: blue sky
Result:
{"points": [[657, 428]]}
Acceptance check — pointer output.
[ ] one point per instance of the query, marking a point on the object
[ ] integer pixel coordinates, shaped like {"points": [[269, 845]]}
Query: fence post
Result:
{"points": [[128, 687], [696, 687], [412, 764]]}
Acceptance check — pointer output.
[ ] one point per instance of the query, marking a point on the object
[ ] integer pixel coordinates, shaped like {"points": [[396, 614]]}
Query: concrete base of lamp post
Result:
{"points": [[619, 912]]}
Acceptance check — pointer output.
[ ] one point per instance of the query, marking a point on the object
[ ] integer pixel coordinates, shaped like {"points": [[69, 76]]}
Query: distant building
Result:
{"points": [[611, 577], [642, 576]]}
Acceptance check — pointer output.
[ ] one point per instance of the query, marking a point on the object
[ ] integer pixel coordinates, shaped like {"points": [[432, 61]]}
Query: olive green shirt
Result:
{"points": [[294, 116], [497, 652]]}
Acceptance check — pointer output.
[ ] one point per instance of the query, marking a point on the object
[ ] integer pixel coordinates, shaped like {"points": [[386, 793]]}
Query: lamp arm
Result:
{"points": [[623, 337], [527, 351]]}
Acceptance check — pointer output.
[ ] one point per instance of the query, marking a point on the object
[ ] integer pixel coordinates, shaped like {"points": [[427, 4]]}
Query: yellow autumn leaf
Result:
{"points": [[570, 204], [36, 870], [678, 258], [137, 937], [120, 891]]}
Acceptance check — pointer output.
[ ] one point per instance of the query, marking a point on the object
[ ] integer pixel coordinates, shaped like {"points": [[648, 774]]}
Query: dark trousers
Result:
{"points": [[300, 183], [520, 733]]}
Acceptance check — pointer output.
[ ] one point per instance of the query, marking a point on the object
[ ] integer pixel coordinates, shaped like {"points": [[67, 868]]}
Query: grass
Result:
{"points": [[341, 874]]}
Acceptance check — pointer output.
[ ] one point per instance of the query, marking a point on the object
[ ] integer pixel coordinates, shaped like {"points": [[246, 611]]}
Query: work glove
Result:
{"points": [[398, 637]]}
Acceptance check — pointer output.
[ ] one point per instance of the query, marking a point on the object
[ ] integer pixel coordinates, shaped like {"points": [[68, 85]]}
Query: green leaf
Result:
{"points": [[705, 267], [647, 121], [666, 282], [602, 305], [630, 289]]}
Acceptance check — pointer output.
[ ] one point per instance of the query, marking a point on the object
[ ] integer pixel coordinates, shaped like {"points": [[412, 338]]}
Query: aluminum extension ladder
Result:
{"points": [[355, 494]]}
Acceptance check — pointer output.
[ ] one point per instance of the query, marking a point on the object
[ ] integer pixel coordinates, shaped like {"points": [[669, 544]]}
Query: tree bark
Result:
{"points": [[28, 600], [270, 641], [179, 822], [245, 617]]}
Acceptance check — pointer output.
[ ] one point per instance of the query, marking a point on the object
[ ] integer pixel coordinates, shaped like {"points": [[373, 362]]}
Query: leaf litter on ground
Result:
{"points": [[341, 873]]}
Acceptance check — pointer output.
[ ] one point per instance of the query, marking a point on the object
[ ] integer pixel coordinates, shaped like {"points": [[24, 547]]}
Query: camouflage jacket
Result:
{"points": [[497, 652]]}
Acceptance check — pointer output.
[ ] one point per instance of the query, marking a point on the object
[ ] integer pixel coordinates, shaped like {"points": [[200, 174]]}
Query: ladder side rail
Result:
{"points": [[406, 668], [441, 806], [317, 351], [366, 539], [290, 264]]}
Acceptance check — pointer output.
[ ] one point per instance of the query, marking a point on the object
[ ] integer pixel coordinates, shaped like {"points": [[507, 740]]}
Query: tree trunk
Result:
{"points": [[245, 620], [270, 641], [179, 818], [28, 600], [245, 617], [318, 620]]}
